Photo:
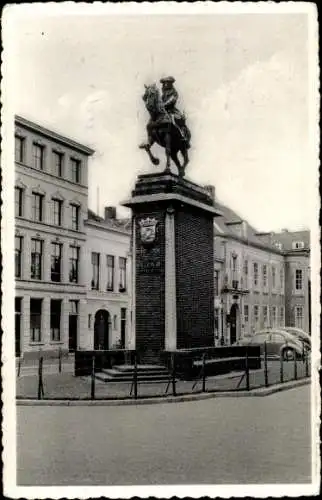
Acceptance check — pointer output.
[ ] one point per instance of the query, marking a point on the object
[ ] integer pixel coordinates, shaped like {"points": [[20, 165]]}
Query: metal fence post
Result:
{"points": [[59, 359], [93, 379], [40, 380], [204, 372], [174, 392], [19, 366], [247, 369], [265, 364], [135, 377], [281, 369]]}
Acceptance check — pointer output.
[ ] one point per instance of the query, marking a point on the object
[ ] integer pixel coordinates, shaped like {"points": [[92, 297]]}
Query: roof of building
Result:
{"points": [[288, 238], [231, 224], [23, 122], [120, 224]]}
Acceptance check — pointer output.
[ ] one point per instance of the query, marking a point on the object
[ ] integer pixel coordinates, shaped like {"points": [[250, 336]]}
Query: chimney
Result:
{"points": [[109, 213], [212, 192]]}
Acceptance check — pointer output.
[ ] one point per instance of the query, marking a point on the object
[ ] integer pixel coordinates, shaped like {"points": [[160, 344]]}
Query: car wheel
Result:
{"points": [[288, 354]]}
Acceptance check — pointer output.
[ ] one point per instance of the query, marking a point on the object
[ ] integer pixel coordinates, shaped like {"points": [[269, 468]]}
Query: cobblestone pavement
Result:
{"points": [[216, 441]]}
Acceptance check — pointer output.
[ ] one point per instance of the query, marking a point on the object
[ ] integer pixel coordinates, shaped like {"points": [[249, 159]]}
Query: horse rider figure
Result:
{"points": [[169, 99]]}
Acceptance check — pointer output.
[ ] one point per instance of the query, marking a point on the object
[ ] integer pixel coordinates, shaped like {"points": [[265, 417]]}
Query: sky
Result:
{"points": [[243, 81]]}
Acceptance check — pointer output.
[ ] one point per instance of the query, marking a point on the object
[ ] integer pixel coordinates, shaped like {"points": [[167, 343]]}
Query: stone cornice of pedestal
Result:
{"points": [[165, 186], [163, 197]]}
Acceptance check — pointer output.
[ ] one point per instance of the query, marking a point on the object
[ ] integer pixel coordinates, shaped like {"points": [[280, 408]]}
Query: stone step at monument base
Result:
{"points": [[124, 373]]}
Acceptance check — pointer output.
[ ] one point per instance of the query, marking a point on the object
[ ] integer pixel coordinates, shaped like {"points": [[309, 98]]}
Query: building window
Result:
{"points": [[245, 272], [299, 317], [18, 202], [73, 307], [278, 245], [274, 316], [73, 264], [246, 313], [122, 268], [38, 156], [216, 284], [95, 271], [298, 279], [265, 316], [255, 274], [57, 212], [36, 259], [55, 316], [282, 316], [256, 314], [75, 170], [110, 273], [19, 148], [123, 327], [37, 207], [297, 245], [57, 163], [282, 277], [264, 275], [273, 277], [35, 320], [18, 256], [56, 251], [75, 217]]}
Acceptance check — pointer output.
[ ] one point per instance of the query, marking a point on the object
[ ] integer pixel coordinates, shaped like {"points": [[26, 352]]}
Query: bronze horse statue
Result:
{"points": [[163, 130]]}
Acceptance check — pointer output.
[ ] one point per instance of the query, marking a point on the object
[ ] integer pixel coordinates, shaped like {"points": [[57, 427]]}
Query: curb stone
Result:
{"points": [[263, 391]]}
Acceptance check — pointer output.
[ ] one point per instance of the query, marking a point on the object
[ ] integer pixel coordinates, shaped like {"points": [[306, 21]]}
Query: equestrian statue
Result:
{"points": [[167, 125]]}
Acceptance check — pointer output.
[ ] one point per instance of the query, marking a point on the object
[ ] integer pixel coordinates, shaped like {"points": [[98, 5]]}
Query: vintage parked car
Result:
{"points": [[299, 333], [278, 343]]}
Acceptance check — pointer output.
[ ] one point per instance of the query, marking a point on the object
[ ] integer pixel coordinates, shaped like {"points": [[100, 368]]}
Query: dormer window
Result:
{"points": [[278, 245], [297, 245]]}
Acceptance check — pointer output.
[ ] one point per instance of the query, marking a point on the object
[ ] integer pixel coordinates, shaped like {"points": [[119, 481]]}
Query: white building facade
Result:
{"points": [[50, 208], [261, 279], [108, 282]]}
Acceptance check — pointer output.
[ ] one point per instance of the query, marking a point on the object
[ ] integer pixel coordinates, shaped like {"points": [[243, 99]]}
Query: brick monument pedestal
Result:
{"points": [[172, 265]]}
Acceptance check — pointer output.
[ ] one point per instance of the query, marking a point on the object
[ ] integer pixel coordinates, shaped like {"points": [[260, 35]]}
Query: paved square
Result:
{"points": [[218, 441]]}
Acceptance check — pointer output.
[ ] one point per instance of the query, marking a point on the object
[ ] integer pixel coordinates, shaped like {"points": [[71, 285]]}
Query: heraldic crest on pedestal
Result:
{"points": [[148, 230]]}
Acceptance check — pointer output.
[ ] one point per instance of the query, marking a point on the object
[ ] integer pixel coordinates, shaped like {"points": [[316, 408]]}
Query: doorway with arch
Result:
{"points": [[234, 323], [101, 330]]}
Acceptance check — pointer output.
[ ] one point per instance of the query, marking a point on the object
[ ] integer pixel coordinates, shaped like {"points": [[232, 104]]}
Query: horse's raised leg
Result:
{"points": [[147, 148]]}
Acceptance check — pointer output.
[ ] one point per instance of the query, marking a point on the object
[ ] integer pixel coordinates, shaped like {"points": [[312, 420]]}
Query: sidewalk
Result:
{"points": [[66, 386], [50, 366]]}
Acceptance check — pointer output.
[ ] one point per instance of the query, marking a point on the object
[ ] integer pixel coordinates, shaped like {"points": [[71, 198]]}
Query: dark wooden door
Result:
{"points": [[72, 344], [101, 330], [233, 324]]}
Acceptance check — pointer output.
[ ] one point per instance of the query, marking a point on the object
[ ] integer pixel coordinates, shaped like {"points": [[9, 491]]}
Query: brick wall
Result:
{"points": [[194, 276], [150, 292]]}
